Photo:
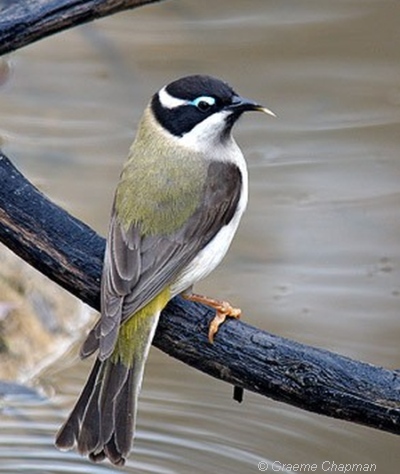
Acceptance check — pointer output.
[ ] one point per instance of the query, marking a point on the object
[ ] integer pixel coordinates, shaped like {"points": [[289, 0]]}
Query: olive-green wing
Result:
{"points": [[137, 268]]}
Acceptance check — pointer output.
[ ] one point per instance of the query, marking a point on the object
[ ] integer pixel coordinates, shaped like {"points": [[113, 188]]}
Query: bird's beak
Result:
{"points": [[240, 105]]}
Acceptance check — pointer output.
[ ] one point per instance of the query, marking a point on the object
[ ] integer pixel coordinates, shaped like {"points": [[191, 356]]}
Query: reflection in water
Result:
{"points": [[317, 258]]}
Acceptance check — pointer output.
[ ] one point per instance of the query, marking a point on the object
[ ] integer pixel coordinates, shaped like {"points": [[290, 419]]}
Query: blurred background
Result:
{"points": [[317, 256]]}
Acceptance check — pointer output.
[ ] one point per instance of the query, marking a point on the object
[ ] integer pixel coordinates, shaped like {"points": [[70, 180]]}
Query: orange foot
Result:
{"points": [[223, 309]]}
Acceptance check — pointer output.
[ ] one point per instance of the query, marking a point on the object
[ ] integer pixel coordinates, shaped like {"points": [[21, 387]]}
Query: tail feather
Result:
{"points": [[67, 434], [88, 436], [102, 422], [116, 376], [127, 402], [103, 419]]}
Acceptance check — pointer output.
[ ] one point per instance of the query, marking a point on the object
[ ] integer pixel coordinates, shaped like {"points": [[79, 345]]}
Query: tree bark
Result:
{"points": [[26, 21], [70, 253]]}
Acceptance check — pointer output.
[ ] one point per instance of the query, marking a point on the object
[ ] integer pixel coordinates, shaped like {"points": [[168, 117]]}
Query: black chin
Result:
{"points": [[230, 121]]}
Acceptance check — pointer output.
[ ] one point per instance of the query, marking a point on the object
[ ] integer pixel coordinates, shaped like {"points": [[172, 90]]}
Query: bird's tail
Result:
{"points": [[102, 422]]}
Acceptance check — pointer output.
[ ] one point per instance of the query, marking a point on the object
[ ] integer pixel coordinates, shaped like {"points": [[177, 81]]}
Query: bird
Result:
{"points": [[177, 206]]}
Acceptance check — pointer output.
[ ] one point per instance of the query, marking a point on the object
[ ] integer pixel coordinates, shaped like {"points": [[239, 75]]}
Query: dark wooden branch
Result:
{"points": [[70, 253], [25, 21]]}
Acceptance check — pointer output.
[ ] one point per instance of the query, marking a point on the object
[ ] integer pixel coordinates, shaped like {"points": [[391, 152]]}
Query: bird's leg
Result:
{"points": [[223, 309]]}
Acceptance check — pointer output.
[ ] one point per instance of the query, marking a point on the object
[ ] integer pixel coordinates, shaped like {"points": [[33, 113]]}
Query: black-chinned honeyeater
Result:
{"points": [[176, 209]]}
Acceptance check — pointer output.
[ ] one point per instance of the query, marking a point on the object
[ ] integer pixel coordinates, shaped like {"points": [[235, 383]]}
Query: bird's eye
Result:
{"points": [[204, 103]]}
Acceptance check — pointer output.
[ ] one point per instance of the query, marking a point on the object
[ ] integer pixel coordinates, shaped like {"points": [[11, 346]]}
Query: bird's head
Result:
{"points": [[200, 110]]}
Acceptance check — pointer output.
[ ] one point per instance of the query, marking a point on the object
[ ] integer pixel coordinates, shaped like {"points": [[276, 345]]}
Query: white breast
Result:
{"points": [[211, 255]]}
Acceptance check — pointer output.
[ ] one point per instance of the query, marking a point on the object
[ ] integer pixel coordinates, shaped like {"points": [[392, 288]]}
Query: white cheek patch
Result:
{"points": [[170, 102], [207, 133]]}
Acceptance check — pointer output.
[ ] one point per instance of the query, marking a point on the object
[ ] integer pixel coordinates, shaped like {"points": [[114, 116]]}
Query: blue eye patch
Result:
{"points": [[203, 102]]}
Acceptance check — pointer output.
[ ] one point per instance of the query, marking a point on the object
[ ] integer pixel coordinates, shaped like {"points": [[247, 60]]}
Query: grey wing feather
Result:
{"points": [[121, 272], [137, 268]]}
